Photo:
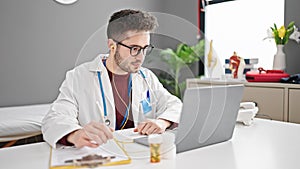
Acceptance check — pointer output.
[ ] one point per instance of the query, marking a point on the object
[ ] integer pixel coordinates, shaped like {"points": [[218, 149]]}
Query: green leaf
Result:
{"points": [[198, 49], [182, 85], [275, 27], [291, 25], [290, 31], [176, 59]]}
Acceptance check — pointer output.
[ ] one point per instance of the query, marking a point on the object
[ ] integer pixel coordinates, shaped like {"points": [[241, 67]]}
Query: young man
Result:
{"points": [[113, 91]]}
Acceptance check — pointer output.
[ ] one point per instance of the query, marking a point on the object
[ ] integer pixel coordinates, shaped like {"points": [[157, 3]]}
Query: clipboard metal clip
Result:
{"points": [[91, 161]]}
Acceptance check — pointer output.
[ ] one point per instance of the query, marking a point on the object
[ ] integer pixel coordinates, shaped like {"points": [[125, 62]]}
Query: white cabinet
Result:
{"points": [[276, 101], [269, 101], [294, 105]]}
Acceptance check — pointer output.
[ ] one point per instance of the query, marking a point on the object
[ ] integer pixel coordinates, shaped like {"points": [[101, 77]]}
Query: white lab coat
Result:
{"points": [[76, 106]]}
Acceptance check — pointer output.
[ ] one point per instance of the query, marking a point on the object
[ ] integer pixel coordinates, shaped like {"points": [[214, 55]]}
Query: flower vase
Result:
{"points": [[279, 59]]}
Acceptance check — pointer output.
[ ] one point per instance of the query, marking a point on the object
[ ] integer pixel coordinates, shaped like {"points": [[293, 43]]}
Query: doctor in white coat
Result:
{"points": [[92, 103]]}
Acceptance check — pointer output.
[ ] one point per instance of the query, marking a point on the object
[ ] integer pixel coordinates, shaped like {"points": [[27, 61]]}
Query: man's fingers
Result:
{"points": [[92, 145], [102, 137], [111, 129], [140, 127], [151, 130], [92, 135], [84, 141], [100, 130], [158, 131], [88, 143], [104, 130], [149, 127], [146, 128], [90, 130], [107, 132]]}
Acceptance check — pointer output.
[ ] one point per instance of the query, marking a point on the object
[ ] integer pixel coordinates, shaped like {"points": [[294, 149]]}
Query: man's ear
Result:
{"points": [[111, 44]]}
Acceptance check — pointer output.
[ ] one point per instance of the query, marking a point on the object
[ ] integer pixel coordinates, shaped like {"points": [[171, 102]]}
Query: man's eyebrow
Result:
{"points": [[135, 45]]}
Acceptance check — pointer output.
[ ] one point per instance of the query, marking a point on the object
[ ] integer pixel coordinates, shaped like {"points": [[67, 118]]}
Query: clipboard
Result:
{"points": [[109, 154]]}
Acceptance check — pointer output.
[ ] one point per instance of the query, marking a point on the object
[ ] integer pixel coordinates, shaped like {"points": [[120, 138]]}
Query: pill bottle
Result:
{"points": [[155, 141], [168, 147]]}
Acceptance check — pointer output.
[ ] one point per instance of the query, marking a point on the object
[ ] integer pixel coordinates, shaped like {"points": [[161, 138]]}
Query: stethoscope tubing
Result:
{"points": [[106, 120]]}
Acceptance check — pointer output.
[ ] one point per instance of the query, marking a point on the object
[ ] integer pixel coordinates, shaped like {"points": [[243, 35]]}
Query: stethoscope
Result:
{"points": [[106, 120]]}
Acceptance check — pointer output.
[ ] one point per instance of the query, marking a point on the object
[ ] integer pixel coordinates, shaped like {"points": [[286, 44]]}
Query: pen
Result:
{"points": [[148, 94], [101, 121]]}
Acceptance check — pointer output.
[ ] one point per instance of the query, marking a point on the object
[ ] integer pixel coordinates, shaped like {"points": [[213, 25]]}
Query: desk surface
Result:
{"points": [[264, 145]]}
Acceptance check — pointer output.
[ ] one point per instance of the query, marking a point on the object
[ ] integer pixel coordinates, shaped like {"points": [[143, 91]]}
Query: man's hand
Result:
{"points": [[152, 126], [91, 135]]}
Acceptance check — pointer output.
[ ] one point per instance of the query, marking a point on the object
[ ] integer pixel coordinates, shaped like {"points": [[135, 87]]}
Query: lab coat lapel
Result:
{"points": [[98, 66], [138, 87], [110, 103]]}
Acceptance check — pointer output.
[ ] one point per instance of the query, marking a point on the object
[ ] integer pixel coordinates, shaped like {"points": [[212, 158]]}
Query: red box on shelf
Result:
{"points": [[265, 75]]}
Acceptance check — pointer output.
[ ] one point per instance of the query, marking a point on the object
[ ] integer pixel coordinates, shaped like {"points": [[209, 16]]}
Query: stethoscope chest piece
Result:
{"points": [[107, 122]]}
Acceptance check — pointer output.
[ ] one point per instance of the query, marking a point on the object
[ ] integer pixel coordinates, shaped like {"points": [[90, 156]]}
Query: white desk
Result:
{"points": [[264, 145]]}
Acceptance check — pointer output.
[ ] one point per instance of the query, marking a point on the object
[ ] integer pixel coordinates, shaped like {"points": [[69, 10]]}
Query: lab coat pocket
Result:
{"points": [[148, 107]]}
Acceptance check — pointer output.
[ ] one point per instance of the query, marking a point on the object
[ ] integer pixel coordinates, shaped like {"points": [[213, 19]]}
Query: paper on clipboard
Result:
{"points": [[62, 157], [128, 134]]}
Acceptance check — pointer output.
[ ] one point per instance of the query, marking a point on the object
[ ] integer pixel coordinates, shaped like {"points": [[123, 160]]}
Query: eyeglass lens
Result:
{"points": [[136, 50]]}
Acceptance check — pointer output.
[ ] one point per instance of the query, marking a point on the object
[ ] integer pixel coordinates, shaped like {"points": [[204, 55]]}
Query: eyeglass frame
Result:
{"points": [[139, 50]]}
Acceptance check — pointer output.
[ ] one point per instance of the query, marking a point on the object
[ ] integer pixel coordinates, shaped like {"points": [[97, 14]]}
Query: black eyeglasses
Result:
{"points": [[136, 49]]}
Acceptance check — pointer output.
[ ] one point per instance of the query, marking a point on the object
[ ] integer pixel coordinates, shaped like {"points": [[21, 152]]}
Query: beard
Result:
{"points": [[125, 64]]}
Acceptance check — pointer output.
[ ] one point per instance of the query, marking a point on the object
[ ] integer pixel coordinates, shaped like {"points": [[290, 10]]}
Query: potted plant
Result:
{"points": [[184, 55], [281, 37]]}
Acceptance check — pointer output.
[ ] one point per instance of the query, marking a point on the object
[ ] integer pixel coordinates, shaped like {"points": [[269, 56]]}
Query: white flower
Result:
{"points": [[270, 34], [295, 35]]}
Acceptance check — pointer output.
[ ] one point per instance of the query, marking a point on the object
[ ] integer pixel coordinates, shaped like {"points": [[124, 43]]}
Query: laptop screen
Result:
{"points": [[208, 116]]}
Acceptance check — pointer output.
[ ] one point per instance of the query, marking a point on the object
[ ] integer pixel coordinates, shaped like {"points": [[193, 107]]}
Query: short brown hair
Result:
{"points": [[129, 20]]}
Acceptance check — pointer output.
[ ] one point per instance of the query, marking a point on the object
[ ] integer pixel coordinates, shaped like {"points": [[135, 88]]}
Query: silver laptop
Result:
{"points": [[208, 116]]}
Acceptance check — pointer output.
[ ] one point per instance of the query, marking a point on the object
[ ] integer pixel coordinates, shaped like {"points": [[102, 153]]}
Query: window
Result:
{"points": [[240, 26]]}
